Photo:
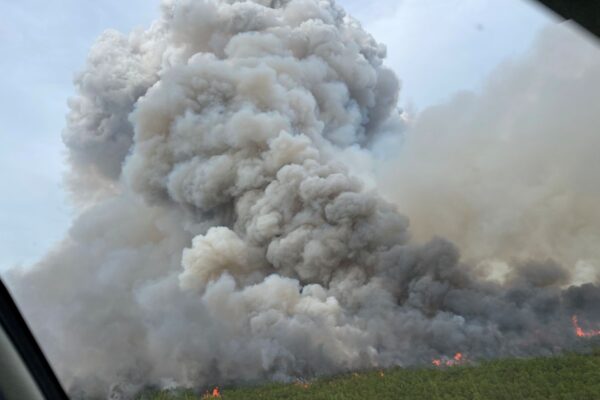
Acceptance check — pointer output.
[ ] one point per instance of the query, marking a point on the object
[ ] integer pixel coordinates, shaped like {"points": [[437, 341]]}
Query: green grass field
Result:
{"points": [[571, 376]]}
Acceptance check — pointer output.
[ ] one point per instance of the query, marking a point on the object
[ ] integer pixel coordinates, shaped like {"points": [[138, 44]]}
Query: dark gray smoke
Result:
{"points": [[224, 239]]}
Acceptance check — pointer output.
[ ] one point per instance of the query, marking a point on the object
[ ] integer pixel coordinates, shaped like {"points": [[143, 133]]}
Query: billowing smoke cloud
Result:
{"points": [[231, 242], [512, 171]]}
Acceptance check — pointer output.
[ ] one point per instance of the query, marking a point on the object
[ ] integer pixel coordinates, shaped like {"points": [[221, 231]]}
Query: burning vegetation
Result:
{"points": [[580, 332], [211, 394], [230, 224], [569, 377], [457, 359]]}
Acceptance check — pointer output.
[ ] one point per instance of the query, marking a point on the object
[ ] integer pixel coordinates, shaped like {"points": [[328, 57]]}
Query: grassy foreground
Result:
{"points": [[571, 376]]}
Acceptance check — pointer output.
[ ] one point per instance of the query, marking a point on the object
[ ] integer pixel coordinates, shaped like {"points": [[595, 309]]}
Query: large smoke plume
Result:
{"points": [[222, 235], [513, 170]]}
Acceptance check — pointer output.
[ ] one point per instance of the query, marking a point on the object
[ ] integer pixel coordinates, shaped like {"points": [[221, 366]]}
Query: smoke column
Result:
{"points": [[223, 238]]}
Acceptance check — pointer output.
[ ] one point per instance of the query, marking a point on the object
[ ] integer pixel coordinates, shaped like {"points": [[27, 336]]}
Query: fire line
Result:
{"points": [[582, 333]]}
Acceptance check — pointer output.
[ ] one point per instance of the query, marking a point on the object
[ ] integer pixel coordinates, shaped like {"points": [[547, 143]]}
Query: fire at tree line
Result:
{"points": [[233, 227], [566, 377], [457, 360]]}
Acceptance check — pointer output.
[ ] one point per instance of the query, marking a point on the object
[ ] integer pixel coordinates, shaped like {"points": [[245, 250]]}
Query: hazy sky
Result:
{"points": [[436, 47]]}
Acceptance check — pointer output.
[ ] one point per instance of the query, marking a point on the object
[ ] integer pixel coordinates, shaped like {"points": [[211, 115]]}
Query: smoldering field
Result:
{"points": [[243, 174]]}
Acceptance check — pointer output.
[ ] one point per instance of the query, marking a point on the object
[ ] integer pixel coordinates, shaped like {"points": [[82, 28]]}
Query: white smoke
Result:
{"points": [[224, 239]]}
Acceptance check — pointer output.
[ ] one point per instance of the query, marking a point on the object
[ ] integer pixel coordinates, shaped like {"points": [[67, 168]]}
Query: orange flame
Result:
{"points": [[209, 395], [449, 362], [580, 332]]}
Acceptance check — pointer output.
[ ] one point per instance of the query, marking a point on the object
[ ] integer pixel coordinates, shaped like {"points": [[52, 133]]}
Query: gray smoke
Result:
{"points": [[513, 170], [223, 238]]}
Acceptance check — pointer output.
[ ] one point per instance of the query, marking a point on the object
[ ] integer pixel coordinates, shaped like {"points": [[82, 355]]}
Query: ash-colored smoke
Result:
{"points": [[223, 239], [511, 171]]}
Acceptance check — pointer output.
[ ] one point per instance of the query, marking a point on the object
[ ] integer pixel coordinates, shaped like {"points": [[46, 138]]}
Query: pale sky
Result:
{"points": [[436, 47]]}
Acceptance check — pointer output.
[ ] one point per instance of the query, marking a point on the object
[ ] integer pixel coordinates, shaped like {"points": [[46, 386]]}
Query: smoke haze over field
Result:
{"points": [[226, 233]]}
